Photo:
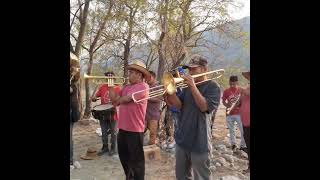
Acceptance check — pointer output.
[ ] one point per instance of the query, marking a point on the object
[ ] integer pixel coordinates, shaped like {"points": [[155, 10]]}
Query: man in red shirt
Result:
{"points": [[132, 120], [245, 115], [229, 97], [109, 120]]}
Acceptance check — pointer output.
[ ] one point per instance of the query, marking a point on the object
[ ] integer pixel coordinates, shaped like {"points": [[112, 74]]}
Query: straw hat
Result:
{"points": [[246, 75], [91, 154], [139, 66]]}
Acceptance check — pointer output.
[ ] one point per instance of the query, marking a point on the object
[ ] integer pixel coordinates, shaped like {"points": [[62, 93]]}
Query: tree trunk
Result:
{"points": [[163, 20], [87, 88], [83, 24], [126, 52], [161, 57]]}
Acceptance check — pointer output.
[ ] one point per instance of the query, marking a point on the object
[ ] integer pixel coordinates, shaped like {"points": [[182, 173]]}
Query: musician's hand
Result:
{"points": [[94, 99], [188, 79], [229, 104]]}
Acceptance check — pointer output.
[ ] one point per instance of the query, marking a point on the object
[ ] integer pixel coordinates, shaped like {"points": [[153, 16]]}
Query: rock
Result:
{"points": [[243, 154], [77, 165], [229, 152], [216, 153], [221, 147], [222, 161], [232, 165], [84, 122], [229, 178], [228, 158], [213, 168]]}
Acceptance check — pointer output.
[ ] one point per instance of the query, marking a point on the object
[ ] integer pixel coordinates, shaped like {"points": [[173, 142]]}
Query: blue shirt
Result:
{"points": [[194, 127]]}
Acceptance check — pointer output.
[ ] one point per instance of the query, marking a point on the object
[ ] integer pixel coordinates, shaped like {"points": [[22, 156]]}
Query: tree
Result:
{"points": [[96, 44]]}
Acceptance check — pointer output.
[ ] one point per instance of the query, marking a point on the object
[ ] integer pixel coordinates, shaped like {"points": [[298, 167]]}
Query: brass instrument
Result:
{"points": [[233, 104], [74, 66], [170, 84], [106, 79]]}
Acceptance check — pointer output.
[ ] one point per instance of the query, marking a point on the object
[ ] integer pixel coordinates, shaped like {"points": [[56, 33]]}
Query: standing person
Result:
{"points": [[245, 115], [74, 101], [131, 121], [153, 110], [108, 120], [229, 97], [193, 137]]}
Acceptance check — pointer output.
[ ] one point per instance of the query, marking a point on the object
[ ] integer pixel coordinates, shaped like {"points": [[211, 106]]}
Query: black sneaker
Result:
{"points": [[112, 152], [243, 149], [103, 150]]}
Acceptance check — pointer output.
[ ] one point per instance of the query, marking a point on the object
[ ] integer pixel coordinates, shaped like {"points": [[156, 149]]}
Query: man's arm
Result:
{"points": [[117, 99], [173, 100], [199, 99]]}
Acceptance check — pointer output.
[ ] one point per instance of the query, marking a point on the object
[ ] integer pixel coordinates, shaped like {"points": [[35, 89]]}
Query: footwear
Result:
{"points": [[77, 165], [171, 145], [112, 152], [71, 167], [244, 149], [246, 171], [103, 150]]}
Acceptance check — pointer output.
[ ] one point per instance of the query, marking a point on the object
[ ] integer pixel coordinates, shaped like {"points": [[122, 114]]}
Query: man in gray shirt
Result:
{"points": [[197, 103]]}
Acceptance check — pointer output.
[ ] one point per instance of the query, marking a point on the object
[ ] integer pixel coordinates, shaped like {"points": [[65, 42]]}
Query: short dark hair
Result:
{"points": [[109, 73], [233, 78], [152, 73]]}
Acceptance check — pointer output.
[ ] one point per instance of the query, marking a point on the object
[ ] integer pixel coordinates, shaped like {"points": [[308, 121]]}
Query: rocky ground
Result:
{"points": [[227, 165]]}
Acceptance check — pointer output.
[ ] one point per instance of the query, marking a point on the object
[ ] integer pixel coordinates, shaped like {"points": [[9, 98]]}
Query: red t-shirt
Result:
{"points": [[131, 115], [103, 93], [245, 109], [231, 94]]}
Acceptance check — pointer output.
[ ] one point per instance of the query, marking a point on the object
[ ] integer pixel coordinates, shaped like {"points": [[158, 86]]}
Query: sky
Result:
{"points": [[243, 12]]}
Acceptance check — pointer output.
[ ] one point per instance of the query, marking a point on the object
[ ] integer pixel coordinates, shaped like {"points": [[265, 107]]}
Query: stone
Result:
{"points": [[228, 158], [77, 165], [221, 147], [222, 161], [229, 178], [84, 122], [243, 154], [151, 152], [229, 152]]}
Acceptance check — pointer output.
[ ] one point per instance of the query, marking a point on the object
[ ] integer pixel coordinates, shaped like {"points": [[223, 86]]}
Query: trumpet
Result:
{"points": [[233, 104], [170, 84], [106, 79]]}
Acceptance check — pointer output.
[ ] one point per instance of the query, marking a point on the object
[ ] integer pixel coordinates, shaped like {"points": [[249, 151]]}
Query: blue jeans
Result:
{"points": [[230, 123], [71, 143]]}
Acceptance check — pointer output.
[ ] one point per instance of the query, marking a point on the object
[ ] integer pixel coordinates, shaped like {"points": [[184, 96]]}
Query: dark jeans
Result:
{"points": [[246, 134], [71, 143], [130, 149], [108, 126]]}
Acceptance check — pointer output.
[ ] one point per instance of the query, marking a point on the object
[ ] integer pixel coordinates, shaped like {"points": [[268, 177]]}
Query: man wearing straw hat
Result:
{"points": [[197, 103], [74, 101], [132, 120]]}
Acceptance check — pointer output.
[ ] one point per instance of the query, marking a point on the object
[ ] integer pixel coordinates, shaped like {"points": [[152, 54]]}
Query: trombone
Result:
{"points": [[170, 84], [105, 79], [234, 104]]}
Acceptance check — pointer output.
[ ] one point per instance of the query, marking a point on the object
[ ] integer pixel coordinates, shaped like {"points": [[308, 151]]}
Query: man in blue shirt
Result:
{"points": [[193, 136]]}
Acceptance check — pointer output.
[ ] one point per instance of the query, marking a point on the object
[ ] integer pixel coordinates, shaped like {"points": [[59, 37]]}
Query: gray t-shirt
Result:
{"points": [[194, 131]]}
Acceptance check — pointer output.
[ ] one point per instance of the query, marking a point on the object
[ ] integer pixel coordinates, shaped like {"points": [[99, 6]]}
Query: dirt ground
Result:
{"points": [[109, 168]]}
